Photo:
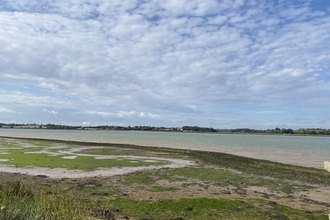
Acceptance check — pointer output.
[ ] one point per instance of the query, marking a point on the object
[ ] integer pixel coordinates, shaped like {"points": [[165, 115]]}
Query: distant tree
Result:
{"points": [[198, 129], [322, 132], [313, 132], [287, 131]]}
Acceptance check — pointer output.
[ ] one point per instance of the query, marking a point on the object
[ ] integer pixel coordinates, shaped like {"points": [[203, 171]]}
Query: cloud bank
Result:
{"points": [[217, 63]]}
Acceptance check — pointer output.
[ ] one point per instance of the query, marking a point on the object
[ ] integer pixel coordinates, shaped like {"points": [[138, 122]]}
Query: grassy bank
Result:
{"points": [[220, 186], [264, 168], [20, 200]]}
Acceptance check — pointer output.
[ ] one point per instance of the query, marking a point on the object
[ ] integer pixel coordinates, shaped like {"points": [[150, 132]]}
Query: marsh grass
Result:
{"points": [[114, 151], [169, 155], [163, 189], [20, 143], [86, 163], [224, 178], [263, 167], [215, 169], [213, 176], [204, 208], [142, 179], [21, 201], [39, 153], [21, 156], [36, 143], [5, 142], [131, 152]]}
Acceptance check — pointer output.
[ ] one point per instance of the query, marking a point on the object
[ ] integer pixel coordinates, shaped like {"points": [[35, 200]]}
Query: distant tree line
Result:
{"points": [[129, 128], [16, 125], [197, 129], [301, 131], [53, 126]]}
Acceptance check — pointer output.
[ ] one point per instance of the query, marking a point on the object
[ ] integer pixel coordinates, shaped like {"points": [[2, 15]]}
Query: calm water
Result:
{"points": [[300, 150]]}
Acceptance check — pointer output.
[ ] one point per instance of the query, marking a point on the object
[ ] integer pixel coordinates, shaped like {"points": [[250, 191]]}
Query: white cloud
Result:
{"points": [[271, 112], [51, 111], [150, 60], [25, 99], [6, 110]]}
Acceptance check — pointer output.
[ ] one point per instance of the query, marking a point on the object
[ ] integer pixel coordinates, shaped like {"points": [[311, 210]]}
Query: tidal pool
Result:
{"points": [[68, 161]]}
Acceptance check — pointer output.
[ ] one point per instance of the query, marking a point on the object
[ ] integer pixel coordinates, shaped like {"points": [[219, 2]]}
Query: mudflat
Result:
{"points": [[177, 184]]}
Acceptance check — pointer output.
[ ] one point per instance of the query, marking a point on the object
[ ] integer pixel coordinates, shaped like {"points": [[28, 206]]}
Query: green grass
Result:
{"points": [[40, 143], [148, 183], [263, 167], [87, 163], [9, 143], [205, 209], [170, 155], [143, 179], [126, 151], [212, 176], [6, 142], [20, 201], [23, 201], [163, 189], [23, 153], [100, 151], [226, 178]]}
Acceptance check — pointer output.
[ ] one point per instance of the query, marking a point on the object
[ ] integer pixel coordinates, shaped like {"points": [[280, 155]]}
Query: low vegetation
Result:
{"points": [[220, 186], [23, 153], [26, 202]]}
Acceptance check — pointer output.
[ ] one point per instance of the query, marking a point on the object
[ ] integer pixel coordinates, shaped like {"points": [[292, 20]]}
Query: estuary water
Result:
{"points": [[310, 151]]}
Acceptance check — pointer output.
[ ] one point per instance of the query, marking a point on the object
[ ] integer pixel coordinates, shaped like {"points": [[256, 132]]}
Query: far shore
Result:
{"points": [[224, 131]]}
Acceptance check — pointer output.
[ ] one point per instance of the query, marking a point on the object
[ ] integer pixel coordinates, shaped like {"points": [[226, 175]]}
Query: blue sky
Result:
{"points": [[213, 63]]}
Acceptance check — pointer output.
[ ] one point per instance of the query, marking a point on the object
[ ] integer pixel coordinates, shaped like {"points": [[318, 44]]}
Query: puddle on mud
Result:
{"points": [[64, 173], [71, 153]]}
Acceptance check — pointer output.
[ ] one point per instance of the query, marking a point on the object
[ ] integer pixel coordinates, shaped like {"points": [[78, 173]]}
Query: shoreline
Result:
{"points": [[301, 160], [214, 175], [187, 132]]}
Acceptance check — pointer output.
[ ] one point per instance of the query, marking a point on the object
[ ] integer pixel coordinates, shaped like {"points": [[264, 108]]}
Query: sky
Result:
{"points": [[212, 63]]}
